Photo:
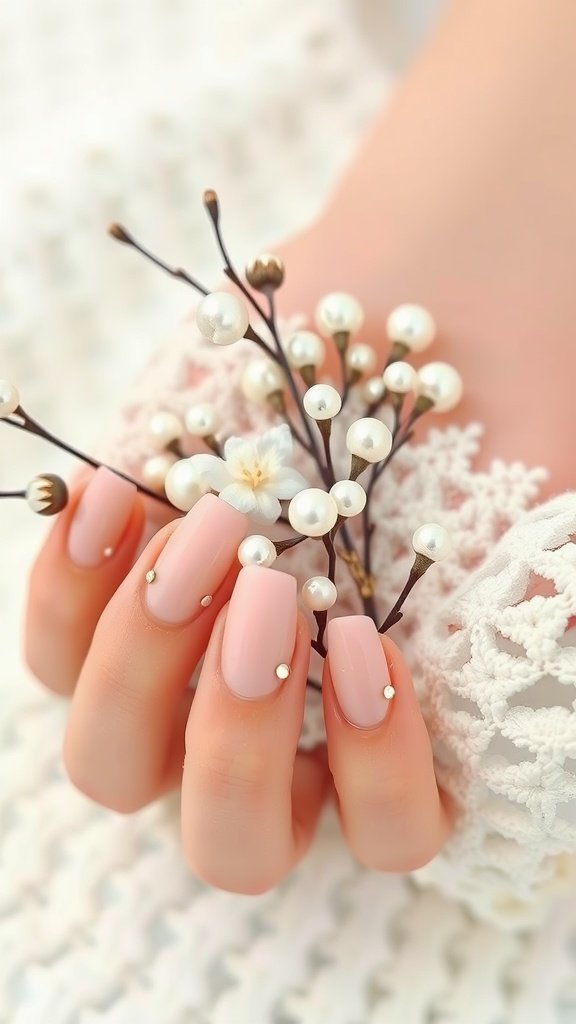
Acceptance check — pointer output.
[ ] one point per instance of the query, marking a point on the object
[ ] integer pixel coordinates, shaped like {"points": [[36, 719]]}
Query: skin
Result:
{"points": [[462, 198]]}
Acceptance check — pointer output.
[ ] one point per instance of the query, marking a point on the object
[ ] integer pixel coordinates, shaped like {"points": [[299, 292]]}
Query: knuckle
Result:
{"points": [[231, 775]]}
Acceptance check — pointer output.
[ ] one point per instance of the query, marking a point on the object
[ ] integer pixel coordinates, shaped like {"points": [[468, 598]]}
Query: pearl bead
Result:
{"points": [[222, 318], [261, 378], [442, 384], [163, 429], [9, 399], [399, 377], [202, 420], [373, 389], [411, 325], [369, 438], [433, 541], [319, 594], [339, 312], [361, 358], [350, 497], [155, 469], [305, 349], [322, 402], [257, 550], [184, 485], [312, 512]]}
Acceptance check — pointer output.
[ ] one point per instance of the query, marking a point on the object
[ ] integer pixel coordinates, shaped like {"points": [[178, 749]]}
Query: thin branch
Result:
{"points": [[30, 426], [122, 235]]}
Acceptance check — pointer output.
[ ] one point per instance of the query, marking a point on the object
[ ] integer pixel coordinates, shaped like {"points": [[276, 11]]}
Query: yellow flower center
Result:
{"points": [[254, 474]]}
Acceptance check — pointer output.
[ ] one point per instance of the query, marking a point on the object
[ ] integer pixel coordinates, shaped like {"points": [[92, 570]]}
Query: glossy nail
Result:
{"points": [[195, 560], [359, 670], [260, 632], [101, 517]]}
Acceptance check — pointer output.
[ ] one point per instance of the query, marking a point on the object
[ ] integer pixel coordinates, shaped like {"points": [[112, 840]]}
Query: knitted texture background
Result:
{"points": [[127, 111]]}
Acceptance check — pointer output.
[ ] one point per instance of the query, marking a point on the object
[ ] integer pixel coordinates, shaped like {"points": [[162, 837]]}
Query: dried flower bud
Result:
{"points": [[266, 272], [47, 494]]}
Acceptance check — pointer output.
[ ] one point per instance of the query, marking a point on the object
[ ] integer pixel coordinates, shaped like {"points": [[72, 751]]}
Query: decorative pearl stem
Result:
{"points": [[357, 466], [290, 542], [322, 617], [398, 351], [308, 374], [12, 494], [420, 566], [30, 426], [325, 428]]}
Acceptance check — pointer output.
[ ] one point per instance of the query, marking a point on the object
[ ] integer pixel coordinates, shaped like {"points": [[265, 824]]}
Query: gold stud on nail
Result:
{"points": [[108, 552], [283, 671], [150, 575], [206, 601], [389, 692]]}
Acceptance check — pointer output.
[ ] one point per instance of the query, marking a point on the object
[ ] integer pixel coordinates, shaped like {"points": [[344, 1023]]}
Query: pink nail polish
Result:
{"points": [[195, 561], [260, 632], [101, 517], [359, 670]]}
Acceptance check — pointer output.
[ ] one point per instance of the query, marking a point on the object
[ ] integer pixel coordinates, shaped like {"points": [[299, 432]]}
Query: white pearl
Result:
{"points": [[373, 389], [257, 550], [155, 469], [399, 377], [361, 358], [369, 438], [163, 428], [312, 512], [322, 402], [350, 497], [202, 420], [319, 594], [222, 318], [9, 399], [412, 325], [433, 541], [339, 312], [184, 485], [261, 378], [442, 384], [305, 349]]}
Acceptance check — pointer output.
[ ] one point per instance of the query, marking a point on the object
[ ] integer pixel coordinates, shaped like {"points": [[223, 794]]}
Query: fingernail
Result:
{"points": [[195, 561], [359, 670], [101, 517], [260, 632]]}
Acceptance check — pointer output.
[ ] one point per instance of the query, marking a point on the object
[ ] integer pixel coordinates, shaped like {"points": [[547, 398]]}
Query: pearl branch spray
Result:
{"points": [[255, 475]]}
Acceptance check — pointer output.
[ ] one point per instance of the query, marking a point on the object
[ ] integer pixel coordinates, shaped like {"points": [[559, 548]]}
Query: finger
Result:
{"points": [[84, 559], [123, 744], [393, 815], [250, 799]]}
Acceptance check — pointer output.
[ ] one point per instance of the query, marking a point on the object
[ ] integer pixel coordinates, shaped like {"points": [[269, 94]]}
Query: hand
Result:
{"points": [[250, 799]]}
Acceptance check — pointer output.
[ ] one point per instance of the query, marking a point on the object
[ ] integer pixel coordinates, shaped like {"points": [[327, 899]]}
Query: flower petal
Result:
{"points": [[277, 440], [212, 469], [235, 446], [286, 483], [240, 496], [268, 508]]}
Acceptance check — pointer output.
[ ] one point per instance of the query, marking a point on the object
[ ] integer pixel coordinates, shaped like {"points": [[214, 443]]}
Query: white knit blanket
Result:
{"points": [[128, 111]]}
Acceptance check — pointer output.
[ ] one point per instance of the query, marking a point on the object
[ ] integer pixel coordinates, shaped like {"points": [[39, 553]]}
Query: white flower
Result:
{"points": [[254, 474]]}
